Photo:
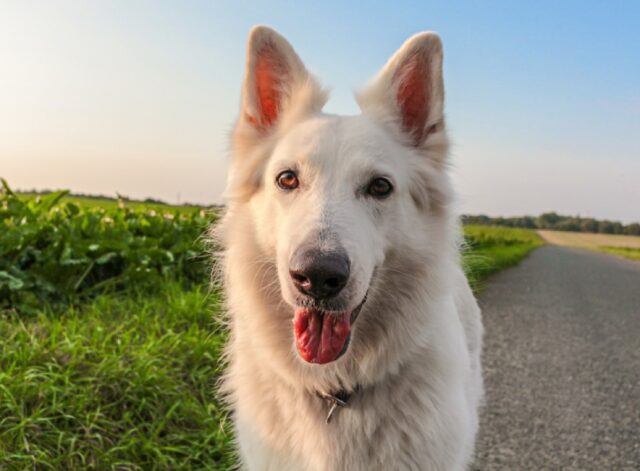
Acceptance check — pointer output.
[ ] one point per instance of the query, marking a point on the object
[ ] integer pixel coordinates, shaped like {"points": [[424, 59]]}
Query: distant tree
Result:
{"points": [[632, 229], [605, 227], [548, 220], [588, 225], [153, 201], [555, 221], [568, 224], [618, 228]]}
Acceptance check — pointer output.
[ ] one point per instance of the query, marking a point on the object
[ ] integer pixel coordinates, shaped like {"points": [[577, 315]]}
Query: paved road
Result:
{"points": [[562, 364]]}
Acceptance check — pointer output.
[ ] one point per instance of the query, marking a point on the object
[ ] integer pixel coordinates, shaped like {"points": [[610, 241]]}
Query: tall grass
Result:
{"points": [[123, 382], [491, 249]]}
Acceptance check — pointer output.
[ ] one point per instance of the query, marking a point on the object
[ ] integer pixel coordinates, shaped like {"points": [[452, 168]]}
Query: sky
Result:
{"points": [[139, 97]]}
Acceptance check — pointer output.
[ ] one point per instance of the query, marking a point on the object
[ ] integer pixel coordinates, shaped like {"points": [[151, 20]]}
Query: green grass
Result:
{"points": [[491, 249], [111, 203], [626, 252], [109, 344], [124, 382]]}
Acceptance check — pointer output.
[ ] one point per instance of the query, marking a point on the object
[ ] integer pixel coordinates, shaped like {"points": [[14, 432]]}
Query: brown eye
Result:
{"points": [[380, 187], [287, 180]]}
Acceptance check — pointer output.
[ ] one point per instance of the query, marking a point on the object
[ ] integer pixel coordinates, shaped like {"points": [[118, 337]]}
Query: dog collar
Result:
{"points": [[335, 400]]}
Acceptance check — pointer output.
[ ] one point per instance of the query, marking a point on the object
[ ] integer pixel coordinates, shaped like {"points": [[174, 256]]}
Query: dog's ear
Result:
{"points": [[407, 95], [277, 92], [275, 80]]}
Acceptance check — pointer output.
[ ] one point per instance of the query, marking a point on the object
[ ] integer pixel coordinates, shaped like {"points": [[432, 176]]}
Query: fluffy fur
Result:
{"points": [[414, 357]]}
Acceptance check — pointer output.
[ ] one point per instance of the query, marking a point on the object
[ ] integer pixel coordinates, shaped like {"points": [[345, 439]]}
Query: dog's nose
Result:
{"points": [[319, 274]]}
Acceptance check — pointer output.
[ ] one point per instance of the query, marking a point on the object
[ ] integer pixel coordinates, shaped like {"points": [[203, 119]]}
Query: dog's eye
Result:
{"points": [[380, 187], [287, 180]]}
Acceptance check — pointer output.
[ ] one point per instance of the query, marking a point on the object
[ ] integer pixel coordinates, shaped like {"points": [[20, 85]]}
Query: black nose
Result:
{"points": [[319, 274]]}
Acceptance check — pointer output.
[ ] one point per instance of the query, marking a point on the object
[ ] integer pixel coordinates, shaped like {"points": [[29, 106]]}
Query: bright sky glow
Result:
{"points": [[138, 97]]}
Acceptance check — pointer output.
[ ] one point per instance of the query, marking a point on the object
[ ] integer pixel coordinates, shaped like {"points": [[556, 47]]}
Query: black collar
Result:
{"points": [[336, 399]]}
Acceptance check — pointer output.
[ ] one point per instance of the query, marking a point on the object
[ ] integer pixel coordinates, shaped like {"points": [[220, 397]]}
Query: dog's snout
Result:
{"points": [[319, 274]]}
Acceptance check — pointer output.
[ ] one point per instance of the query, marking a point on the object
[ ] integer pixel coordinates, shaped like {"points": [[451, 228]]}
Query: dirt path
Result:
{"points": [[562, 364]]}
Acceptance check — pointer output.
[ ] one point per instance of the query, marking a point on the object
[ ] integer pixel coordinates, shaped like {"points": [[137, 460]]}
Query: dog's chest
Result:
{"points": [[378, 433], [378, 429]]}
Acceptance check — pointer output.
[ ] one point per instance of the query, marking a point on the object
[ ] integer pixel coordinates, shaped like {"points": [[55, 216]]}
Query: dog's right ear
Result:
{"points": [[277, 85], [277, 92]]}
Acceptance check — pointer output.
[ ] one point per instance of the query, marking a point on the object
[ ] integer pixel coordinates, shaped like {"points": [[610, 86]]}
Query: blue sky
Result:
{"points": [[543, 98]]}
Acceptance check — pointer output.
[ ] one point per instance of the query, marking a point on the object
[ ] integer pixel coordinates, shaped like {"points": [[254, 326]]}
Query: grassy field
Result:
{"points": [[620, 245], [491, 249], [626, 252], [109, 335], [121, 382]]}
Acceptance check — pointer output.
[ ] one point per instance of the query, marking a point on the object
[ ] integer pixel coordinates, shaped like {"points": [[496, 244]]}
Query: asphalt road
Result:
{"points": [[562, 364]]}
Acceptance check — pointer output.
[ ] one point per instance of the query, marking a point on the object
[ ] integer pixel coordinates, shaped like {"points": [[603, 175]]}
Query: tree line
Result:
{"points": [[557, 222]]}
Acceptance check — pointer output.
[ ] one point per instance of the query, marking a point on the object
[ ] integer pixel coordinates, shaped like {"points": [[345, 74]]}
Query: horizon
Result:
{"points": [[160, 201], [543, 100]]}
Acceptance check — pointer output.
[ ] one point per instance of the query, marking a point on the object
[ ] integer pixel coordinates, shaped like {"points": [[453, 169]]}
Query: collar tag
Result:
{"points": [[339, 399]]}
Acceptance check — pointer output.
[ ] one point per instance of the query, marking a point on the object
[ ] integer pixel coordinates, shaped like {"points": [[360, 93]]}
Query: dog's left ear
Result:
{"points": [[407, 95]]}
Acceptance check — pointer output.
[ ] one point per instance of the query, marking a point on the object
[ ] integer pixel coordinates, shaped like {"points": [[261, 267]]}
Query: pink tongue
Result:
{"points": [[320, 337]]}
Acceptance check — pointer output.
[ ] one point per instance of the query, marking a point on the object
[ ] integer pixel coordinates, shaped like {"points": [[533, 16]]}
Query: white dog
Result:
{"points": [[354, 337]]}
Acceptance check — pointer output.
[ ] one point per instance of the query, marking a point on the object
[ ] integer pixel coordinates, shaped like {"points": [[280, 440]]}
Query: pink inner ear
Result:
{"points": [[413, 95], [270, 74]]}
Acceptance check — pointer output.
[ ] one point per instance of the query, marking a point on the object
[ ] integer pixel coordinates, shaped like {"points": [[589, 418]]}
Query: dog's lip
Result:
{"points": [[355, 312]]}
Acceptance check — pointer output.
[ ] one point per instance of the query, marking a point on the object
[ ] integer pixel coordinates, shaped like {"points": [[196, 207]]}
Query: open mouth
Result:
{"points": [[323, 336]]}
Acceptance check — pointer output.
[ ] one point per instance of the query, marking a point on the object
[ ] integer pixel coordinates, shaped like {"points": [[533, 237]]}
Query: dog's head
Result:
{"points": [[335, 199]]}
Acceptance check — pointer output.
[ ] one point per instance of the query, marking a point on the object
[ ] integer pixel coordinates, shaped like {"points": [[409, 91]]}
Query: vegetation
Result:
{"points": [[102, 201], [109, 346], [110, 339], [557, 222], [54, 252], [626, 252], [491, 249], [123, 382]]}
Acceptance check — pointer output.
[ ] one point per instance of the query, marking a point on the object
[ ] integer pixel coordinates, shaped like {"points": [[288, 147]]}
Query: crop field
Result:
{"points": [[620, 245], [584, 239], [108, 203], [110, 336]]}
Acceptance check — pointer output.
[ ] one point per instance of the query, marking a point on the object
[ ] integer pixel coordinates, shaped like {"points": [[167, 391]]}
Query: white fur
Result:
{"points": [[415, 348]]}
